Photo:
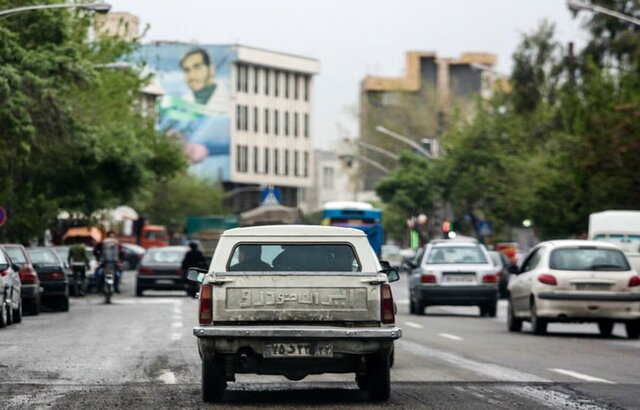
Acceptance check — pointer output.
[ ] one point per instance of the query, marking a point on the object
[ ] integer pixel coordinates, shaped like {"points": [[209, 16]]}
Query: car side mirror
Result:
{"points": [[392, 274], [513, 269], [196, 275], [385, 264]]}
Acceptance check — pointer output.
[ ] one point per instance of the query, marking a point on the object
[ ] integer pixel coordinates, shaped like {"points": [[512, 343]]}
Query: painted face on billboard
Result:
{"points": [[198, 70]]}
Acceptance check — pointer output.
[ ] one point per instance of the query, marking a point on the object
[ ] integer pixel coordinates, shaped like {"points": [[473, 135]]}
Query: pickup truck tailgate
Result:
{"points": [[297, 297]]}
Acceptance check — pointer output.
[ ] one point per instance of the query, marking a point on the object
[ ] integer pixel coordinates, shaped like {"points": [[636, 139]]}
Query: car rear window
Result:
{"points": [[16, 255], [43, 256], [588, 258], [164, 256], [455, 255], [293, 258]]}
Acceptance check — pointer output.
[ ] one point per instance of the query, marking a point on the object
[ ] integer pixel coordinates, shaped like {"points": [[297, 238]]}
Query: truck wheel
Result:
{"points": [[213, 380], [605, 327], [379, 377], [633, 329]]}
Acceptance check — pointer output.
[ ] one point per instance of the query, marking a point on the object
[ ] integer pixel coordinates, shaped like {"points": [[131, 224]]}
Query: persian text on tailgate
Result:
{"points": [[296, 298]]}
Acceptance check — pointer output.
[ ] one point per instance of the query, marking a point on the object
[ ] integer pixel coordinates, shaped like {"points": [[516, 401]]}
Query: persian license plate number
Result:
{"points": [[459, 278], [298, 350], [164, 282], [592, 286]]}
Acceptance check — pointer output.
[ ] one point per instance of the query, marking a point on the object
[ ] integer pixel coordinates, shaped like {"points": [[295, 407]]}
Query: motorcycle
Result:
{"points": [[109, 281]]}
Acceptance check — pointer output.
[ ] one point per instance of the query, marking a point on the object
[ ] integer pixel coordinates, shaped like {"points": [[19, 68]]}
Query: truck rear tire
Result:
{"points": [[213, 380], [379, 377]]}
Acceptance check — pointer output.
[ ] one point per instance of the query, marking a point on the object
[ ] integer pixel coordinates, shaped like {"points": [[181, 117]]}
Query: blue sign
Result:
{"points": [[485, 228], [3, 216], [271, 196]]}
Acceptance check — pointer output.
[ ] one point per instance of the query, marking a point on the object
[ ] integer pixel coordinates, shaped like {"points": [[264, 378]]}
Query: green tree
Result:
{"points": [[70, 135]]}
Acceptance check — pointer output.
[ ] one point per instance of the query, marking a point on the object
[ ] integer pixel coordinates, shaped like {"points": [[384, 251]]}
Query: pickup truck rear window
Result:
{"points": [[293, 258]]}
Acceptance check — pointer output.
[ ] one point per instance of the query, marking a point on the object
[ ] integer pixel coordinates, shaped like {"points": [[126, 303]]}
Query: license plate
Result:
{"points": [[459, 278], [592, 286], [298, 350], [164, 282]]}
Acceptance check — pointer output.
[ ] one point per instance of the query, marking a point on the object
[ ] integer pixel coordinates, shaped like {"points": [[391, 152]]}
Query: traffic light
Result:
{"points": [[446, 226]]}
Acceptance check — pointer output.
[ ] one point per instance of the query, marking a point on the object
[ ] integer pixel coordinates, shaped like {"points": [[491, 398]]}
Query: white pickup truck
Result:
{"points": [[295, 300]]}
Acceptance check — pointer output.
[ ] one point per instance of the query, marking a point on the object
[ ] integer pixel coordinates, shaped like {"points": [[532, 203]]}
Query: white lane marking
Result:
{"points": [[581, 376], [484, 369], [503, 303], [176, 324], [414, 325], [402, 301], [175, 336], [448, 336], [167, 377]]}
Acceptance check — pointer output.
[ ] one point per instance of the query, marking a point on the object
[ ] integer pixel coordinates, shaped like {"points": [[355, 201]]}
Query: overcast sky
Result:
{"points": [[353, 38]]}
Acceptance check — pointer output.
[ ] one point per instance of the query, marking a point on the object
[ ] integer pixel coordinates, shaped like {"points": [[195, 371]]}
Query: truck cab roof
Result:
{"points": [[293, 231]]}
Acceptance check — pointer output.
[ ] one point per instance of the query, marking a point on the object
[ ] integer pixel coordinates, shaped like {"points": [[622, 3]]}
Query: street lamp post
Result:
{"points": [[101, 8], [373, 148], [404, 139], [577, 5]]}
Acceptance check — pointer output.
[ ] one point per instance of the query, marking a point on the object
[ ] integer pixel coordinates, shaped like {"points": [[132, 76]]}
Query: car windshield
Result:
{"points": [[43, 256], [455, 255], [16, 255], [293, 258], [164, 256], [63, 252], [588, 258]]}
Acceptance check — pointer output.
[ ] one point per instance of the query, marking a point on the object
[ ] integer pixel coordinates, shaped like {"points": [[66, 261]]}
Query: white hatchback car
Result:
{"points": [[575, 281]]}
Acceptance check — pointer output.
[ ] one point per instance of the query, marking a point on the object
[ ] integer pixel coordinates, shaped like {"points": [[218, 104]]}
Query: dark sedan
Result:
{"points": [[28, 276], [53, 278], [161, 268]]}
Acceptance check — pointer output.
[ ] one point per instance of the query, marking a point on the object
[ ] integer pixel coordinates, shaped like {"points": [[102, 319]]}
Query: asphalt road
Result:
{"points": [[140, 353]]}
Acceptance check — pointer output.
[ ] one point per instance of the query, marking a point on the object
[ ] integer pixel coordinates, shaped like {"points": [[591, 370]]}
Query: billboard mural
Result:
{"points": [[196, 106]]}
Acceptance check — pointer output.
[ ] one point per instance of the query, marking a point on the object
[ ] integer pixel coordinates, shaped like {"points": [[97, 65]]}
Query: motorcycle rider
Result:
{"points": [[109, 251], [79, 263]]}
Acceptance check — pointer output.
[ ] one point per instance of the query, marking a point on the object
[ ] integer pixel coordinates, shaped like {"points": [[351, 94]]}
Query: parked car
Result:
{"points": [[455, 272], [30, 291], [132, 255], [10, 286], [53, 278], [502, 264], [161, 269], [575, 281]]}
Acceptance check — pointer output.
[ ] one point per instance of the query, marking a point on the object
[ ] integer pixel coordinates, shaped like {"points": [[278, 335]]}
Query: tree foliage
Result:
{"points": [[560, 145], [70, 134]]}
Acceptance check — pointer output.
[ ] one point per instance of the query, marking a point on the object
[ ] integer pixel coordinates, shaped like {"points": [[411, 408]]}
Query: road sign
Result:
{"points": [[3, 216], [271, 196], [485, 228]]}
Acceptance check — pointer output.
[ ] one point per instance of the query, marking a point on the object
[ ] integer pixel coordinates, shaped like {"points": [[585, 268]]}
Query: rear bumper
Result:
{"points": [[292, 332], [632, 297], [585, 307], [162, 283], [29, 292], [54, 288], [455, 295]]}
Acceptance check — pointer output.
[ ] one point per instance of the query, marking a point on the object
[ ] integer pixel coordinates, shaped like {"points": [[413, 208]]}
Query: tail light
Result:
{"points": [[179, 272], [28, 276], [206, 304], [386, 305], [146, 271], [547, 279], [55, 275], [634, 281], [427, 278], [4, 273], [490, 278]]}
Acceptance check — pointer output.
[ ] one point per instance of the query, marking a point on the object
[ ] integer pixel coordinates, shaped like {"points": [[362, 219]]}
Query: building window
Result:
{"points": [[296, 159], [239, 77], [286, 85], [266, 121], [296, 86], [267, 74], [276, 83], [245, 159], [256, 78], [307, 80], [266, 160], [286, 123], [238, 117], [327, 177], [306, 125], [245, 80], [306, 164], [276, 122], [238, 160], [255, 120], [245, 118], [256, 164], [286, 162], [276, 161], [296, 119]]}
